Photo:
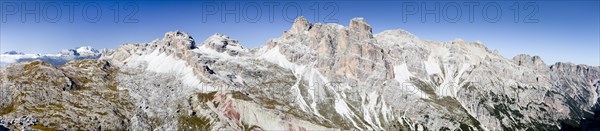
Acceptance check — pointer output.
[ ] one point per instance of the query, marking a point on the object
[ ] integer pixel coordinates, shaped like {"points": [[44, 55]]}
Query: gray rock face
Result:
{"points": [[222, 44], [179, 40], [313, 77], [572, 69], [534, 62]]}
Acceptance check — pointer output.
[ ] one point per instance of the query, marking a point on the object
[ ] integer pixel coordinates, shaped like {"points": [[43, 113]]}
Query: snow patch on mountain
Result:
{"points": [[432, 67], [211, 53], [341, 107], [369, 105], [80, 52], [162, 63], [87, 50], [402, 75], [274, 56], [315, 79]]}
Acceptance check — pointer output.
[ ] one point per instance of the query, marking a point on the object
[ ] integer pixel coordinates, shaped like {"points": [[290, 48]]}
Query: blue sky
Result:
{"points": [[567, 31]]}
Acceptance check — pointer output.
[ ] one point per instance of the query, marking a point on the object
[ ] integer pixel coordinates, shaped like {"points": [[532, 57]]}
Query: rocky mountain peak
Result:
{"points": [[360, 24], [177, 43], [573, 69], [87, 50], [179, 40], [349, 51], [360, 28], [528, 61], [222, 43], [300, 24]]}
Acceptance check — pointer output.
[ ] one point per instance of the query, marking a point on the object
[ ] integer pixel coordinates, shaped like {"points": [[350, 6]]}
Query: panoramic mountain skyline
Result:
{"points": [[313, 77], [297, 66], [557, 31]]}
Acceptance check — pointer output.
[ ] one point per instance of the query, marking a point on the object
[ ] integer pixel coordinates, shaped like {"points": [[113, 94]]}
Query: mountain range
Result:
{"points": [[314, 77], [64, 56]]}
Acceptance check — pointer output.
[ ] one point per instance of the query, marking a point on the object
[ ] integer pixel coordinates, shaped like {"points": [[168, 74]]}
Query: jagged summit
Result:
{"points": [[357, 26], [300, 25], [568, 68], [360, 24], [222, 43], [535, 62], [360, 28], [179, 40]]}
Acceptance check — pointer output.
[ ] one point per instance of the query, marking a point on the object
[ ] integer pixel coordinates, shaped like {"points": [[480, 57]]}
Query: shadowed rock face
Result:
{"points": [[313, 77]]}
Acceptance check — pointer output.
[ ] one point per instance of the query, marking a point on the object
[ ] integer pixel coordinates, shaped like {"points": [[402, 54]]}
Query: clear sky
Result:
{"points": [[567, 31]]}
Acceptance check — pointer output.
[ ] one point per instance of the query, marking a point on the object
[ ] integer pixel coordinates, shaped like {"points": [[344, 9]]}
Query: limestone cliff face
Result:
{"points": [[178, 43], [313, 77], [344, 52]]}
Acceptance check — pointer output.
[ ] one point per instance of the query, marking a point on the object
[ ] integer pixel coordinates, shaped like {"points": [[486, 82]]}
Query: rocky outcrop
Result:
{"points": [[222, 44], [573, 69], [360, 28], [534, 62], [179, 40], [178, 43], [79, 95], [300, 25]]}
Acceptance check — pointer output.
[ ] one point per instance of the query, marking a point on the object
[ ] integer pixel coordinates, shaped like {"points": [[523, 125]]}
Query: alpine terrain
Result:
{"points": [[313, 77]]}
